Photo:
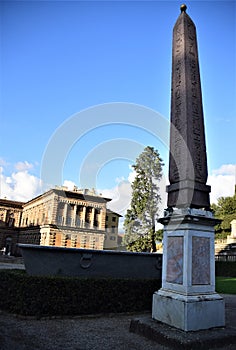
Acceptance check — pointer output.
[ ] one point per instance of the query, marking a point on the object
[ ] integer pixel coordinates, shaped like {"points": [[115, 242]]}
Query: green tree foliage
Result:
{"points": [[144, 243], [225, 210], [141, 218]]}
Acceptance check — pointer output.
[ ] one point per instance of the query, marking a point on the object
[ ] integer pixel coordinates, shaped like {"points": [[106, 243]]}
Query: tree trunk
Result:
{"points": [[154, 249]]}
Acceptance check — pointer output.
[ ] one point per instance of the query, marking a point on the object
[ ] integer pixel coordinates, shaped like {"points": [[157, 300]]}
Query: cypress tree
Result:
{"points": [[141, 218]]}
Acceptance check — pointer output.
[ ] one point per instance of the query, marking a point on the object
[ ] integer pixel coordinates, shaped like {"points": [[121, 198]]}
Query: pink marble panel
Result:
{"points": [[175, 248], [201, 260]]}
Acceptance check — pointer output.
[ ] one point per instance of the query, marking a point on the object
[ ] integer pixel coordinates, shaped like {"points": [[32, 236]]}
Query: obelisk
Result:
{"points": [[188, 159], [187, 299]]}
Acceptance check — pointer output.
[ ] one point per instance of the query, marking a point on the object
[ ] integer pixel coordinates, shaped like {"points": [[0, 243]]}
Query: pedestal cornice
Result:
{"points": [[188, 216]]}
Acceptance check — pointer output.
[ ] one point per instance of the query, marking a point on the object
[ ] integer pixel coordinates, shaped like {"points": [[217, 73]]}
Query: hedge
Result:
{"points": [[65, 296], [51, 296], [225, 268]]}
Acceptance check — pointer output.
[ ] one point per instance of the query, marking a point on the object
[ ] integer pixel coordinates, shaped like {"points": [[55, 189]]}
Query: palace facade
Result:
{"points": [[59, 217]]}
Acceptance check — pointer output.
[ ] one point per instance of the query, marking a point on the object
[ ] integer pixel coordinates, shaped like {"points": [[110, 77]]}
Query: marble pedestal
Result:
{"points": [[187, 299]]}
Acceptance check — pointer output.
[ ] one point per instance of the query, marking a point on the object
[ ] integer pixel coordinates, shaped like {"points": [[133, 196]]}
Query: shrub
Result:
{"points": [[48, 296], [225, 268]]}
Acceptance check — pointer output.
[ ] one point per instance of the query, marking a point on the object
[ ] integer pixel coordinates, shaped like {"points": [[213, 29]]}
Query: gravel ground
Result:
{"points": [[83, 333], [79, 333]]}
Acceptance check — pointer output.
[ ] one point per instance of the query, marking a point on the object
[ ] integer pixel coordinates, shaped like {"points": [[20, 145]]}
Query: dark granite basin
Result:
{"points": [[59, 261]]}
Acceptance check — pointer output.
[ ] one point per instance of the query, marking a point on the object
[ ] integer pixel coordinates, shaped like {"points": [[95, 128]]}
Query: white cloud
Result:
{"points": [[120, 195], [119, 179], [69, 184], [221, 186], [131, 176], [2, 163], [8, 180], [23, 166], [222, 182], [20, 185], [225, 169]]}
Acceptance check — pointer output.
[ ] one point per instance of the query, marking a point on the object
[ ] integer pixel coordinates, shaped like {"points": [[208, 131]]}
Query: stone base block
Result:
{"points": [[189, 313], [173, 338]]}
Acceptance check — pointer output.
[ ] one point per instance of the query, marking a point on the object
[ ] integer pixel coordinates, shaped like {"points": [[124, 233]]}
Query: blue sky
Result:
{"points": [[59, 58]]}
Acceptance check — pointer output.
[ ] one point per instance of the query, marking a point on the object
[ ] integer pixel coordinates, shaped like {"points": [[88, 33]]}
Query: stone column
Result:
{"points": [[54, 210], [102, 219], [74, 215], [92, 218], [65, 214], [83, 217]]}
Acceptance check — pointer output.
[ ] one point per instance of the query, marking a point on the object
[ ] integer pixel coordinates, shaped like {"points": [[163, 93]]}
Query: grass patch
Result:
{"points": [[226, 285]]}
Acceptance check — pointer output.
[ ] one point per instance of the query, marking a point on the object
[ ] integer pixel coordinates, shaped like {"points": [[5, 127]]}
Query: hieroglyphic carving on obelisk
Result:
{"points": [[188, 160]]}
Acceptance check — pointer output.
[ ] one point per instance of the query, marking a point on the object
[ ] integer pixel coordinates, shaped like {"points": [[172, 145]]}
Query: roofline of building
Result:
{"points": [[9, 203], [70, 194], [37, 197], [109, 211]]}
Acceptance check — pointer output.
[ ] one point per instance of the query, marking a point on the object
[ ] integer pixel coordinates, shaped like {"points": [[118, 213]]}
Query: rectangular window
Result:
{"points": [[60, 220], [113, 219], [69, 220]]}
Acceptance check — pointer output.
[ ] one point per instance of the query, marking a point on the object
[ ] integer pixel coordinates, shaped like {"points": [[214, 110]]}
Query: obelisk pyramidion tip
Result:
{"points": [[183, 8]]}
